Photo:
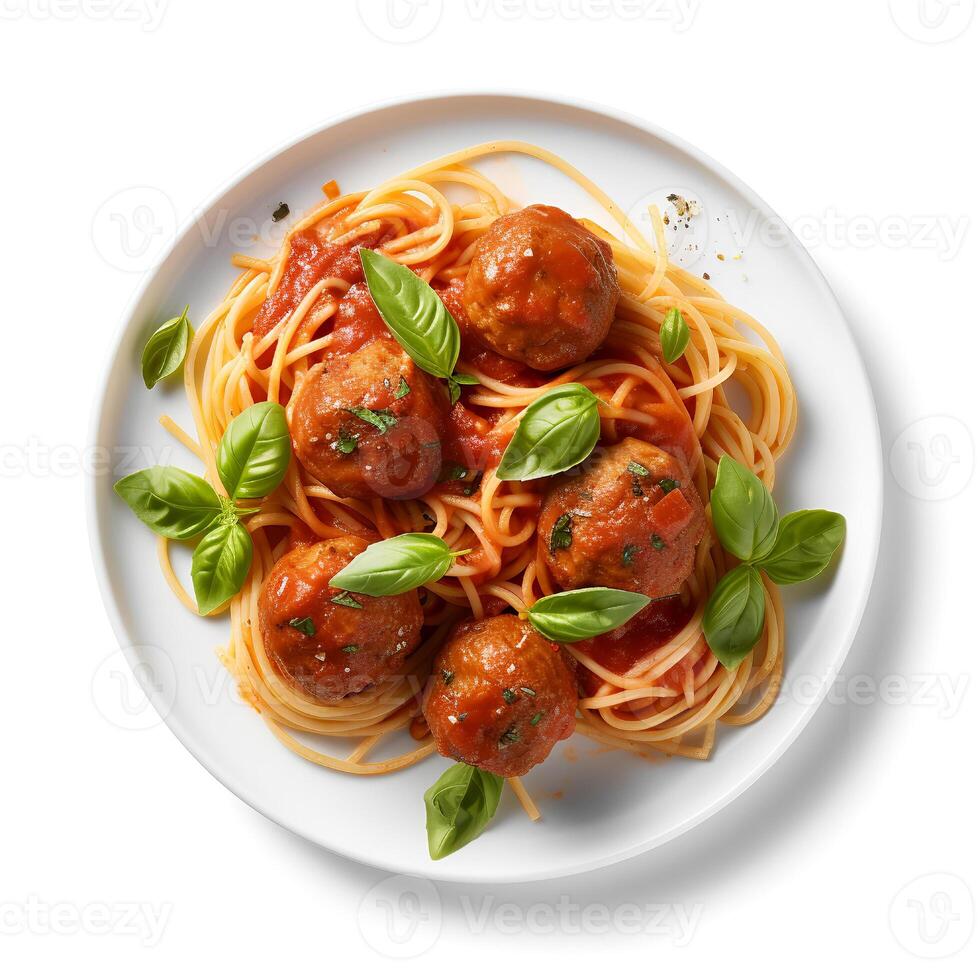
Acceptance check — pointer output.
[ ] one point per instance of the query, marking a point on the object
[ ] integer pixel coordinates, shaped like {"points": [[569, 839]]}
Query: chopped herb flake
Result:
{"points": [[304, 625], [402, 389], [630, 552], [668, 485], [561, 533], [463, 715], [529, 691], [382, 420], [509, 696], [350, 648], [473, 485], [346, 599], [509, 737], [636, 469], [536, 718], [280, 211], [447, 677], [346, 442], [657, 542], [452, 471]]}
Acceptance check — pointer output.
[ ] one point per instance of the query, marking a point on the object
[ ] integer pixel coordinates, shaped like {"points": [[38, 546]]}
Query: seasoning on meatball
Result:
{"points": [[631, 521], [501, 696], [327, 643], [541, 289], [370, 423]]}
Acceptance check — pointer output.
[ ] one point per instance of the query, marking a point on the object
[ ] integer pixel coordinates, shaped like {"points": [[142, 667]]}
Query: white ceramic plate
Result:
{"points": [[598, 808]]}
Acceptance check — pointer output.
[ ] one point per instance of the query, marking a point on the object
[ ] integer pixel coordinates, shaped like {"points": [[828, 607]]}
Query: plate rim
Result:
{"points": [[96, 486]]}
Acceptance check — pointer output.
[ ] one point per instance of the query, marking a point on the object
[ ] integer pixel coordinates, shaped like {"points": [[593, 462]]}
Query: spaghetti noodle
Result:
{"points": [[670, 699]]}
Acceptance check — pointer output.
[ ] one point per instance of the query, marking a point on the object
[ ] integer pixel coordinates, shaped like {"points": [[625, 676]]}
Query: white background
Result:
{"points": [[120, 856]]}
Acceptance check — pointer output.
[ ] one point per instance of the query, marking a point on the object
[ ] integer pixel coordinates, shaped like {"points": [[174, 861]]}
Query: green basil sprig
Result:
{"points": [[252, 459], [674, 335], [458, 805], [567, 617], [170, 502], [417, 317], [556, 432], [794, 549], [805, 543], [166, 349], [254, 452], [743, 511], [735, 615], [397, 565], [220, 565]]}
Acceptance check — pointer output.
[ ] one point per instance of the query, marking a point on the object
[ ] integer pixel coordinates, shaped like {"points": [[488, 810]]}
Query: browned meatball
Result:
{"points": [[370, 423], [325, 649], [542, 289], [501, 696], [631, 521]]}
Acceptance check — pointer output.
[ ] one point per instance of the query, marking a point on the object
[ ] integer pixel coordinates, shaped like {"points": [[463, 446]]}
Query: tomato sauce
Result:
{"points": [[623, 648], [472, 441], [310, 260]]}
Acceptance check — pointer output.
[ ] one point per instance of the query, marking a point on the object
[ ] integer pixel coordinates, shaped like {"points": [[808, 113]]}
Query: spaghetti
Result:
{"points": [[256, 346]]}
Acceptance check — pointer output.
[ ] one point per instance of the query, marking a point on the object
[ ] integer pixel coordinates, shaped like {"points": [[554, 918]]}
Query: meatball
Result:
{"points": [[370, 423], [631, 521], [541, 289], [327, 649], [501, 696]]}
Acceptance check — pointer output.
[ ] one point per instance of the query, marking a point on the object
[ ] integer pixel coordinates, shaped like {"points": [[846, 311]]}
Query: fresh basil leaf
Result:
{"points": [[674, 335], [254, 452], [166, 349], [568, 617], [220, 565], [170, 501], [396, 565], [743, 511], [734, 615], [465, 379], [805, 543], [458, 805], [413, 312], [556, 432]]}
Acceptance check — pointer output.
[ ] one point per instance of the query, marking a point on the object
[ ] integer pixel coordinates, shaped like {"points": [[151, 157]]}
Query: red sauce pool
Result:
{"points": [[622, 648], [310, 260]]}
